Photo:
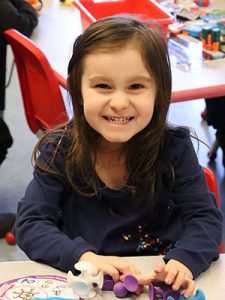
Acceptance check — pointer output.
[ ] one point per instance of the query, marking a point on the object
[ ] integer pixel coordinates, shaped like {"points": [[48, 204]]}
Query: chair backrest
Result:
{"points": [[212, 185], [42, 98]]}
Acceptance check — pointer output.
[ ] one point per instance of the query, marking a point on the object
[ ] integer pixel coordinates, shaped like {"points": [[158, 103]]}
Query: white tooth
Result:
{"points": [[118, 119]]}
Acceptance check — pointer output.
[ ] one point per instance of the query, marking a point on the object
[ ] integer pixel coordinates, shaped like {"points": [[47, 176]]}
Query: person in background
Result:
{"points": [[20, 15], [7, 220], [215, 116], [117, 180]]}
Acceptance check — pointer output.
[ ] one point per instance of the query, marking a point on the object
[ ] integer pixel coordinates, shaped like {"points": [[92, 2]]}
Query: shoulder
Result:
{"points": [[176, 136], [56, 140], [178, 142], [177, 132], [53, 149]]}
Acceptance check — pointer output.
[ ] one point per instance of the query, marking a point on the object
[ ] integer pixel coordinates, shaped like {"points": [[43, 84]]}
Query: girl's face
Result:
{"points": [[118, 93]]}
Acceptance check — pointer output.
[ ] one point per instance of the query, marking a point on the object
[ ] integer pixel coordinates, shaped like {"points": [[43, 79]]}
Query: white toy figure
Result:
{"points": [[84, 285]]}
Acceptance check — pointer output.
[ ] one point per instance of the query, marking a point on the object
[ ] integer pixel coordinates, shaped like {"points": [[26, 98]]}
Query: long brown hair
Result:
{"points": [[145, 148]]}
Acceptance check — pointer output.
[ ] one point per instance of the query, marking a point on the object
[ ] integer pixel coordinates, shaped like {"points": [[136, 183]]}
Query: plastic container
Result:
{"points": [[92, 10]]}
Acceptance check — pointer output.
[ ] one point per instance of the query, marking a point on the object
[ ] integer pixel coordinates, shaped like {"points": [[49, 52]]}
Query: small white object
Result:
{"points": [[84, 285]]}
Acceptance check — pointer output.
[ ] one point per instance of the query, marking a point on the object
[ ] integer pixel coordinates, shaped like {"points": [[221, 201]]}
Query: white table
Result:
{"points": [[60, 25], [212, 282], [55, 34]]}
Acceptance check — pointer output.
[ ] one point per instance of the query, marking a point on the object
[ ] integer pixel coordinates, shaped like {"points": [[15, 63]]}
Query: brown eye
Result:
{"points": [[136, 86], [102, 86]]}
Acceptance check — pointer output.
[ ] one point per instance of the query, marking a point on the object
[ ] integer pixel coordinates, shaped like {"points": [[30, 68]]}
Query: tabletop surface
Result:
{"points": [[59, 25], [202, 78], [211, 281]]}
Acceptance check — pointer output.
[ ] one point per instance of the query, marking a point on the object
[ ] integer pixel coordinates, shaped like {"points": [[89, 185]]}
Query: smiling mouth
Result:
{"points": [[118, 120]]}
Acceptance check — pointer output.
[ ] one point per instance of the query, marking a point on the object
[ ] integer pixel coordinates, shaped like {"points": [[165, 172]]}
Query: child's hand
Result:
{"points": [[173, 273], [177, 275], [111, 265], [37, 5]]}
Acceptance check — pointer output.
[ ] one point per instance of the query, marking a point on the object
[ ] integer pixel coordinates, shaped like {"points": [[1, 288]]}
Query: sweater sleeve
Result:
{"points": [[200, 217], [18, 14], [38, 226]]}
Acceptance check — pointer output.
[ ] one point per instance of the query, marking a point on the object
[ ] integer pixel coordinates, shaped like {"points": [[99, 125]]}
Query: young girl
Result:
{"points": [[117, 180]]}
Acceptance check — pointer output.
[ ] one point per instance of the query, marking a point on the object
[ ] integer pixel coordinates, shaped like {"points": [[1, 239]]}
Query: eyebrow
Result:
{"points": [[135, 78], [142, 78]]}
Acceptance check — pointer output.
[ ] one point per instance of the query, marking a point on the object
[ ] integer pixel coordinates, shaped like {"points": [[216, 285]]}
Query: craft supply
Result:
{"points": [[38, 287], [86, 283]]}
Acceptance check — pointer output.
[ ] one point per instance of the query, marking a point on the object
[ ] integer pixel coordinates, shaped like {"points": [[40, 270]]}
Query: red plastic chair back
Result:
{"points": [[212, 185], [42, 98]]}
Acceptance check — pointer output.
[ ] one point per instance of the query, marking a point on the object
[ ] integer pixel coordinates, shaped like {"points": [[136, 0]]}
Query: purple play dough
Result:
{"points": [[164, 291], [108, 283], [120, 290], [130, 282]]}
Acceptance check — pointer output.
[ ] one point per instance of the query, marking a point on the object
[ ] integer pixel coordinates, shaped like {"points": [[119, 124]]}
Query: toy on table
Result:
{"points": [[166, 293], [163, 291], [86, 283], [36, 287], [121, 288], [108, 283], [156, 291]]}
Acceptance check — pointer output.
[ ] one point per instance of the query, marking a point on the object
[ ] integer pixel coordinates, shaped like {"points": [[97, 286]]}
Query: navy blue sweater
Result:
{"points": [[56, 225]]}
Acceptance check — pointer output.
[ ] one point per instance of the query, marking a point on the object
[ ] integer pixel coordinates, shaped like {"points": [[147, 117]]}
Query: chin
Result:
{"points": [[117, 139]]}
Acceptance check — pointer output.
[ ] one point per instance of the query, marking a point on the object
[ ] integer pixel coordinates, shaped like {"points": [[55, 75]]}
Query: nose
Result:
{"points": [[119, 101]]}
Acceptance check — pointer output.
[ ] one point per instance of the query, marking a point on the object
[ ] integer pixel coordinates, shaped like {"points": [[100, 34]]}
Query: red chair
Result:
{"points": [[212, 185], [39, 83]]}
